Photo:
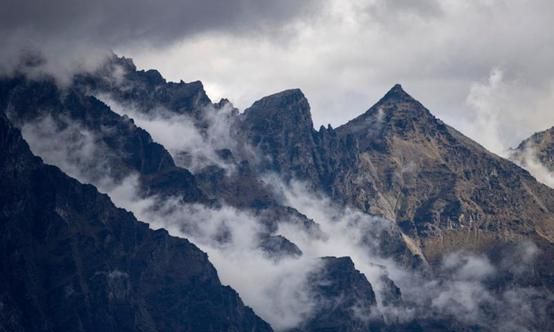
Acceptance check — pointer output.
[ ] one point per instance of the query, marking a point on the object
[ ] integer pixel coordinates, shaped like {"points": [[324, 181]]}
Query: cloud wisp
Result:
{"points": [[528, 159], [189, 146]]}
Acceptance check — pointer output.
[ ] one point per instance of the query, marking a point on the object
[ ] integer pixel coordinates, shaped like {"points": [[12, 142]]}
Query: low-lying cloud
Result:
{"points": [[279, 290], [189, 146], [528, 159]]}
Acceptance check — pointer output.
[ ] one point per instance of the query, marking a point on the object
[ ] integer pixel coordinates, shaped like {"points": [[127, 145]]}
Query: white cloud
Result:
{"points": [[189, 146], [528, 159]]}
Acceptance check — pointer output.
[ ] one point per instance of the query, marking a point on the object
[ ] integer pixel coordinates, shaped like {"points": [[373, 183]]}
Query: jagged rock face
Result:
{"points": [[149, 93], [344, 299], [71, 261], [541, 146], [145, 89], [280, 127], [241, 187]]}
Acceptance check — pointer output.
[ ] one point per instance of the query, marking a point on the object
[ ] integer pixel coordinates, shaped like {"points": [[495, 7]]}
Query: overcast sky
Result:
{"points": [[483, 66]]}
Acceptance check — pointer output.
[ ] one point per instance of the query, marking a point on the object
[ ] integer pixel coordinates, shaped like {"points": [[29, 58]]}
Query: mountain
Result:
{"points": [[148, 90], [280, 127], [441, 194], [444, 189], [397, 160], [71, 261]]}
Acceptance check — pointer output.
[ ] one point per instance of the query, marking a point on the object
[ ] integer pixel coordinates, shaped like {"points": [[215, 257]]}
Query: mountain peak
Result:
{"points": [[397, 94], [283, 99], [289, 106]]}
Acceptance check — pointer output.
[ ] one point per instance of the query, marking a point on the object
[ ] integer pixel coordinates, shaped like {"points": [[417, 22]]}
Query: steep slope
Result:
{"points": [[445, 190], [71, 261]]}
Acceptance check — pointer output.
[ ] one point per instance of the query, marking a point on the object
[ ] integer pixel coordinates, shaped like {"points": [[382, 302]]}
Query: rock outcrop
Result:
{"points": [[536, 154], [343, 298]]}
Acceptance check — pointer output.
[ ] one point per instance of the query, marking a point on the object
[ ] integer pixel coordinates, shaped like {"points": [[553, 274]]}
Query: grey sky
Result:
{"points": [[484, 66]]}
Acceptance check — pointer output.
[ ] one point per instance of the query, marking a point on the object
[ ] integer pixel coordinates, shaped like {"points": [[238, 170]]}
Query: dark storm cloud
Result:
{"points": [[111, 22], [72, 35]]}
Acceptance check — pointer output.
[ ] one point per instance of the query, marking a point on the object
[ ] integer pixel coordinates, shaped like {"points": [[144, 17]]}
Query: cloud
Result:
{"points": [[349, 55], [180, 134], [529, 160], [72, 34], [277, 290], [77, 151]]}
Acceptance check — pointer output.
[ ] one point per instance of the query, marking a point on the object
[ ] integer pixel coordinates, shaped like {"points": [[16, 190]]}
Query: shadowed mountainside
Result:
{"points": [[72, 261]]}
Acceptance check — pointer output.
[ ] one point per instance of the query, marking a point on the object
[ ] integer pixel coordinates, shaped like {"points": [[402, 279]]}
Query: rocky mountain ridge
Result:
{"points": [[397, 160], [443, 192]]}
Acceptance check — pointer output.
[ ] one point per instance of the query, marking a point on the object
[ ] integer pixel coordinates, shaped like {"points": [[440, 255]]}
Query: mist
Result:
{"points": [[189, 146], [528, 159], [279, 290]]}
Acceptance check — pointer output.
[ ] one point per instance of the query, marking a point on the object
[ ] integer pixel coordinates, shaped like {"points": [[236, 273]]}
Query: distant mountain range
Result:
{"points": [[394, 221]]}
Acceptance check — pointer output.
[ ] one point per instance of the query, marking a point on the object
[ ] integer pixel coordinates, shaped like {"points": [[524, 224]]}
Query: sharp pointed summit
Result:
{"points": [[397, 94]]}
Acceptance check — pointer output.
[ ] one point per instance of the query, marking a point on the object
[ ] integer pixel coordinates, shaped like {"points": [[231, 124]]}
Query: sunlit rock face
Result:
{"points": [[437, 183], [398, 161]]}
